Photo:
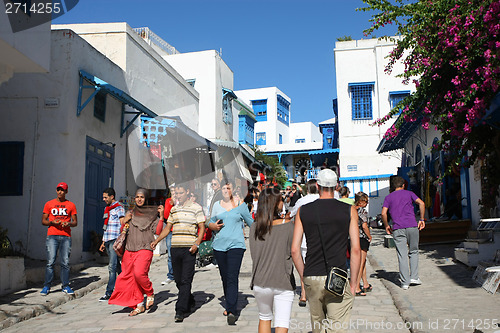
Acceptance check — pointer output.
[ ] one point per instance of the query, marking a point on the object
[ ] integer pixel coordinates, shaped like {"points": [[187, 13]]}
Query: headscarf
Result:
{"points": [[144, 216]]}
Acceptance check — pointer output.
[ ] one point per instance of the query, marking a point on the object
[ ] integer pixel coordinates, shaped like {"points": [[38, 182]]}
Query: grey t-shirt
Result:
{"points": [[272, 265]]}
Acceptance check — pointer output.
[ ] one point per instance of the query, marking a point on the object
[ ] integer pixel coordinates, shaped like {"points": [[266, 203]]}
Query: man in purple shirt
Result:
{"points": [[405, 229]]}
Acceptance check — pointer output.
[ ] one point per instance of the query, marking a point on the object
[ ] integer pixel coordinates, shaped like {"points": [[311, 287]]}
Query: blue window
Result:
{"points": [[100, 106], [11, 168], [361, 97], [260, 109], [280, 138], [300, 140], [397, 96], [283, 110], [260, 138]]}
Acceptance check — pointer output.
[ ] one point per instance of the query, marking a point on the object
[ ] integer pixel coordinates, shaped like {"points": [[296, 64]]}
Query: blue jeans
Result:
{"points": [[53, 244], [113, 266], [229, 268], [170, 273]]}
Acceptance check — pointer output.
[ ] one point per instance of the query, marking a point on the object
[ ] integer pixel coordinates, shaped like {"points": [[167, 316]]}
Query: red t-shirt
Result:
{"points": [[62, 211]]}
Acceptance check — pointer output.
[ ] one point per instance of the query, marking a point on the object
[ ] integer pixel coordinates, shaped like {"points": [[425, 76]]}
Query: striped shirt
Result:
{"points": [[185, 219], [113, 229]]}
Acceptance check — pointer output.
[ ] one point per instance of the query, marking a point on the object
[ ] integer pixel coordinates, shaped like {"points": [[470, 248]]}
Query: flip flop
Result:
{"points": [[369, 288], [150, 301], [136, 311], [302, 303], [360, 293]]}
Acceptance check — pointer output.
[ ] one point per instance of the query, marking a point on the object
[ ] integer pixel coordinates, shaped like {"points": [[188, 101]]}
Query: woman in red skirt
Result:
{"points": [[133, 282]]}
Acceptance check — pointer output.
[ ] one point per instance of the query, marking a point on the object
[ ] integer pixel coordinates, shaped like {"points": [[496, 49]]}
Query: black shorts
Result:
{"points": [[364, 243]]}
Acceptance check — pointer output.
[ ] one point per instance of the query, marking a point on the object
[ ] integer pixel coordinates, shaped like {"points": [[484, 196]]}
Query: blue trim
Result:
{"points": [[400, 92], [120, 95], [356, 84], [365, 177], [262, 140], [310, 152]]}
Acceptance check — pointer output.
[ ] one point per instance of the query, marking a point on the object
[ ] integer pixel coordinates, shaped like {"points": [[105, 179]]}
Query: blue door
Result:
{"points": [[98, 176]]}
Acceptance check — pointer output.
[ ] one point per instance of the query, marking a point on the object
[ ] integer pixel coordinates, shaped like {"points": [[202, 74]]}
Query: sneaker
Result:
{"points": [[231, 319], [179, 318], [104, 298], [68, 290], [416, 282], [45, 291], [167, 281], [405, 286]]}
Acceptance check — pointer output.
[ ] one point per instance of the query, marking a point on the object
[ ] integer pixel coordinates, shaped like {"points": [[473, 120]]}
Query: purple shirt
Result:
{"points": [[400, 206]]}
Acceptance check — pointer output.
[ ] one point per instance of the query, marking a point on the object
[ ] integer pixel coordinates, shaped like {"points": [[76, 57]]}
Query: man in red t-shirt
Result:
{"points": [[60, 216]]}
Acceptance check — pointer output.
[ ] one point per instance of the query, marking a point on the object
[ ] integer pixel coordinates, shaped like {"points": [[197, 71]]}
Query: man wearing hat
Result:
{"points": [[60, 216], [335, 221]]}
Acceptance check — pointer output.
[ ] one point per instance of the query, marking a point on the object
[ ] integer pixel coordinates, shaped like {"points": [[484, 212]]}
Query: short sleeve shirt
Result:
{"points": [[400, 206], [61, 211], [114, 225], [185, 219]]}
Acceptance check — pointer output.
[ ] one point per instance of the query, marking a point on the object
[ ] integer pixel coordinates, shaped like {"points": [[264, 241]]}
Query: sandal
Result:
{"points": [[136, 311], [302, 303], [360, 293], [150, 300], [369, 288]]}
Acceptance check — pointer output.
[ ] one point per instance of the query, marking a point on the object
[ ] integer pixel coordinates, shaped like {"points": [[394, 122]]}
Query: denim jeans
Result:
{"points": [[53, 244], [114, 266], [170, 273], [229, 268]]}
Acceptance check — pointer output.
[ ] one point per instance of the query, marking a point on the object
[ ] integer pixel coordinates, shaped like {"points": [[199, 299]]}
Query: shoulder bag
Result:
{"points": [[336, 278], [119, 244]]}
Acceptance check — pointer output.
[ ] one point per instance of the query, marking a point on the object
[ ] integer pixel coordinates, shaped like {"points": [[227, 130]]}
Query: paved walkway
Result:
{"points": [[447, 293], [447, 301]]}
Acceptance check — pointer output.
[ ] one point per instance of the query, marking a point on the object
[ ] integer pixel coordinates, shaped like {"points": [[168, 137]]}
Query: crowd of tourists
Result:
{"points": [[322, 233]]}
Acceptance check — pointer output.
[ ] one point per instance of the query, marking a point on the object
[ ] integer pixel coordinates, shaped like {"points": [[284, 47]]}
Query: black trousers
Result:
{"points": [[183, 264]]}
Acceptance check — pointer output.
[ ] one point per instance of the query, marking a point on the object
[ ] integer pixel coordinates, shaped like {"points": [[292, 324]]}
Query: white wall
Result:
{"points": [[23, 51], [364, 61], [305, 130], [151, 78], [211, 74]]}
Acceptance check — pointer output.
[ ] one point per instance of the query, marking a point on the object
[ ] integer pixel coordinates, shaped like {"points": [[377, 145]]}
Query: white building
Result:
{"points": [[275, 134], [70, 125], [365, 93]]}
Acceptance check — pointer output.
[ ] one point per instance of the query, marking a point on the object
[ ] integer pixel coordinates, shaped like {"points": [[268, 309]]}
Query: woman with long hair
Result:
{"points": [[229, 244], [133, 283], [273, 281], [360, 202]]}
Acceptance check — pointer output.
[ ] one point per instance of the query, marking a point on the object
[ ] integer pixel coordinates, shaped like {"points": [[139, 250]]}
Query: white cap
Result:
{"points": [[327, 178]]}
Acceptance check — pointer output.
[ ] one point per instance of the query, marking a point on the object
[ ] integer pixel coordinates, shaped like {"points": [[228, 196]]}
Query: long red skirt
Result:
{"points": [[133, 282]]}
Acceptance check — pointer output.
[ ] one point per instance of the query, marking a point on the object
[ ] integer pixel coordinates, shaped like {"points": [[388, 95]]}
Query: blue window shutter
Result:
{"points": [[361, 100]]}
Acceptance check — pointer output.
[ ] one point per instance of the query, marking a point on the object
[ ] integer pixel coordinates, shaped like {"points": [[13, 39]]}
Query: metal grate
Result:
{"points": [[361, 96]]}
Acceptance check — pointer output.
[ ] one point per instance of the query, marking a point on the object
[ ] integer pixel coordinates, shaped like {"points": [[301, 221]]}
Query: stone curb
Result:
{"points": [[402, 304]]}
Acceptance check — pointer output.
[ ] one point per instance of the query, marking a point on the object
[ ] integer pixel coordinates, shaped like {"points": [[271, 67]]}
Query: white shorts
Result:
{"points": [[282, 301]]}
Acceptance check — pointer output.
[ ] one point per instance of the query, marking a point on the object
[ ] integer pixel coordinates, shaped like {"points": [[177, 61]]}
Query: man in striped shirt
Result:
{"points": [[113, 215], [187, 222]]}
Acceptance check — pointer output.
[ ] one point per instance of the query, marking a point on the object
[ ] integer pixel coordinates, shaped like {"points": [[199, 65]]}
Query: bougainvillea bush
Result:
{"points": [[450, 50]]}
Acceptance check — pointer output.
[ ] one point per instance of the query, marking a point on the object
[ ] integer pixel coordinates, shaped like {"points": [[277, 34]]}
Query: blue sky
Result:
{"points": [[284, 43]]}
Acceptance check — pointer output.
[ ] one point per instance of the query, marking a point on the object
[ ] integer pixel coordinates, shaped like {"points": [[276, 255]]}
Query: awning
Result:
{"points": [[101, 85], [324, 151], [237, 152], [492, 116], [406, 130]]}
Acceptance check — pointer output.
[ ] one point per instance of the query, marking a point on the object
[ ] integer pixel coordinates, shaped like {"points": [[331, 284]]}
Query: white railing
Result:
{"points": [[150, 37]]}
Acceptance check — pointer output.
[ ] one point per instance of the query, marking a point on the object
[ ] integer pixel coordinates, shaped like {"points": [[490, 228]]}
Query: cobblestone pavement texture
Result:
{"points": [[447, 293]]}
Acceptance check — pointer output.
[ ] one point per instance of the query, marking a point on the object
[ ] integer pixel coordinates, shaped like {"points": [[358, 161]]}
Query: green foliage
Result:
{"points": [[275, 168], [5, 245], [344, 38]]}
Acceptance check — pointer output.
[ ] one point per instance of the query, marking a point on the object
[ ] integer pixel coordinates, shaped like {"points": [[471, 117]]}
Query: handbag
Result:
{"points": [[119, 244], [336, 278]]}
